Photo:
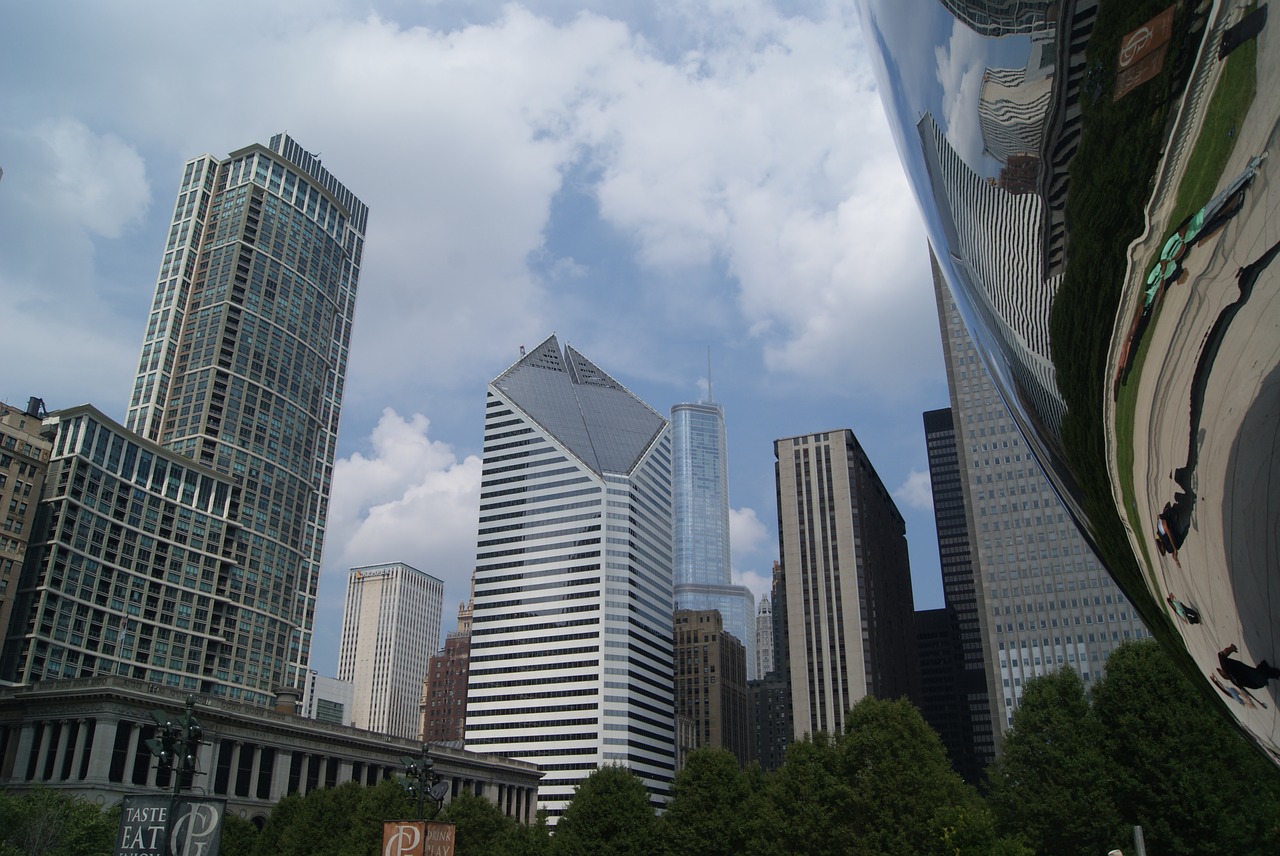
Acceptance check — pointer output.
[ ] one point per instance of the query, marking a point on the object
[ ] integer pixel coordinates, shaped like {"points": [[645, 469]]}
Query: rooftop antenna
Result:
{"points": [[710, 398]]}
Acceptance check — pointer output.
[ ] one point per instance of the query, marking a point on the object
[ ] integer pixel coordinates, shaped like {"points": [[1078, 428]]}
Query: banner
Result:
{"points": [[417, 838], [163, 826]]}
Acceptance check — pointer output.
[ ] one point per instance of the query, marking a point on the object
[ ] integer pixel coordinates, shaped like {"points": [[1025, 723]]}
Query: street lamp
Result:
{"points": [[421, 781]]}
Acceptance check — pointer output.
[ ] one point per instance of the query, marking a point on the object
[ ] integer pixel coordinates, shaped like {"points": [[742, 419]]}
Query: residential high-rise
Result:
{"points": [[1045, 600], [24, 460], [243, 364], [972, 740], [700, 486], [136, 569], [711, 682], [390, 627], [571, 663], [847, 580], [443, 709]]}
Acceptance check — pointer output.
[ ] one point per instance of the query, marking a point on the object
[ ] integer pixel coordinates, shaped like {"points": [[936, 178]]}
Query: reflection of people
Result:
{"points": [[1243, 697], [1242, 674], [1164, 540], [1189, 614]]}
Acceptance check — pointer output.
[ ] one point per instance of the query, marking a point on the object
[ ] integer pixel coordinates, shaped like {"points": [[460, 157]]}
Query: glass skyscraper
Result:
{"points": [[571, 638], [242, 369], [700, 487]]}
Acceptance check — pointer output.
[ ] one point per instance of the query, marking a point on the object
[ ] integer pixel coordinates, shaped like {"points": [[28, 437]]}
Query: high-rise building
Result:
{"points": [[24, 460], [243, 364], [700, 486], [972, 740], [847, 580], [571, 663], [711, 682], [1045, 600], [443, 709], [764, 636], [137, 570], [390, 627], [327, 699]]}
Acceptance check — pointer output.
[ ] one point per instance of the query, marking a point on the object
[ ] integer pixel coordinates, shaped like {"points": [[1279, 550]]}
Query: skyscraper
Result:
{"points": [[700, 485], [764, 636], [847, 580], [571, 659], [444, 693], [971, 737], [24, 461], [1045, 601], [711, 684], [243, 364], [390, 627]]}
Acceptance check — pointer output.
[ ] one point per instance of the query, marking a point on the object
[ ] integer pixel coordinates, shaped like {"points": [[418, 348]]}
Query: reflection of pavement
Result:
{"points": [[1230, 559]]}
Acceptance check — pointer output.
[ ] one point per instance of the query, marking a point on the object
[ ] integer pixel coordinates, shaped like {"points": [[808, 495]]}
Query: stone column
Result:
{"points": [[104, 741], [22, 755], [233, 783], [83, 727], [37, 754], [60, 753], [255, 770], [280, 774], [131, 753]]}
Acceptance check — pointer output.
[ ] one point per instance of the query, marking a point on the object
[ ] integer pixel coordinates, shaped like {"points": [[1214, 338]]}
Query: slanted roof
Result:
{"points": [[598, 419]]}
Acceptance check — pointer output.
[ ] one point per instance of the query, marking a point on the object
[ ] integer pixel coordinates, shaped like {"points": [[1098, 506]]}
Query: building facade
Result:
{"points": [[137, 570], [764, 636], [443, 709], [1045, 600], [327, 699], [390, 627], [245, 354], [87, 737], [972, 744], [700, 486], [571, 663], [711, 682], [847, 579], [24, 460]]}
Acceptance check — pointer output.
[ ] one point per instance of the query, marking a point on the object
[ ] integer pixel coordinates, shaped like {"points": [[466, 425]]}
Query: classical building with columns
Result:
{"points": [[88, 737]]}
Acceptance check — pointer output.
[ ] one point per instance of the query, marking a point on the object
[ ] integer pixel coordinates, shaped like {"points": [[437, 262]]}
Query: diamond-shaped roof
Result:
{"points": [[573, 399]]}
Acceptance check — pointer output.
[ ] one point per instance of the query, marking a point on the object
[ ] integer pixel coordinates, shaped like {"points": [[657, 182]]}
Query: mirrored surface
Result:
{"points": [[1096, 188]]}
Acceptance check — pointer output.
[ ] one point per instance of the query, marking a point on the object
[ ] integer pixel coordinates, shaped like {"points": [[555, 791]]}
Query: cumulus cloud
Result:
{"points": [[960, 70], [916, 492], [406, 498], [94, 181]]}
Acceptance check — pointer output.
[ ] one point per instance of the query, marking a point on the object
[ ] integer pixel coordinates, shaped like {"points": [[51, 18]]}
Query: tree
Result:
{"points": [[1053, 784], [482, 828], [709, 808], [1182, 773], [609, 813], [238, 836], [46, 823]]}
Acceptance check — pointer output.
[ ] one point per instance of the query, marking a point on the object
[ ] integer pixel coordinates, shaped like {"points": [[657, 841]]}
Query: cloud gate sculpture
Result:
{"points": [[1096, 187]]}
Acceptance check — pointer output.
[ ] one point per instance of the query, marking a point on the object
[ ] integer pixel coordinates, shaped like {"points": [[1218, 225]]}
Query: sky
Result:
{"points": [[652, 182]]}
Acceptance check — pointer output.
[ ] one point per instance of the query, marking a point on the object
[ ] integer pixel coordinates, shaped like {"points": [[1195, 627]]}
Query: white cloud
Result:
{"points": [[95, 181], [746, 532], [407, 498], [960, 69], [916, 491]]}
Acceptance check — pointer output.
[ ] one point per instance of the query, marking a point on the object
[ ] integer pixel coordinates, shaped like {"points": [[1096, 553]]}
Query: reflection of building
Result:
{"points": [[1012, 110], [390, 627], [444, 694], [24, 460], [571, 635], [963, 718], [847, 580], [711, 682], [327, 699], [700, 542], [1045, 599], [242, 369], [993, 240], [1002, 17], [88, 737]]}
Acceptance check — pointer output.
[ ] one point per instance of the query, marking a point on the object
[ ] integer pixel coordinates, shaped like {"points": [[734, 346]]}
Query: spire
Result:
{"points": [[710, 397]]}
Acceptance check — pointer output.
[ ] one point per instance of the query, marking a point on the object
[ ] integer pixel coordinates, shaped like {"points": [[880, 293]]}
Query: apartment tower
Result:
{"points": [[243, 363], [847, 580], [571, 660]]}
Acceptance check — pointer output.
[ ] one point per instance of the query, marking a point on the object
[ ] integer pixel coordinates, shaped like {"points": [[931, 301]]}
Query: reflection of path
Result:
{"points": [[1185, 476]]}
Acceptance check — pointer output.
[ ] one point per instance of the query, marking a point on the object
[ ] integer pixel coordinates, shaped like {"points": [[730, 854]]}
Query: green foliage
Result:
{"points": [[1181, 772], [239, 836], [342, 821], [482, 828], [711, 806], [47, 823], [1053, 783], [610, 813]]}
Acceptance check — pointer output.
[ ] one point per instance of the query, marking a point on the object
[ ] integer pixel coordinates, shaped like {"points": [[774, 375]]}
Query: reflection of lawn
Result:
{"points": [[1213, 148], [1222, 120]]}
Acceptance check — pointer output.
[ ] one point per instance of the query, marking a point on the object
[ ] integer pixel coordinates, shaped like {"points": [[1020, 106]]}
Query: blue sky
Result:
{"points": [[647, 181]]}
